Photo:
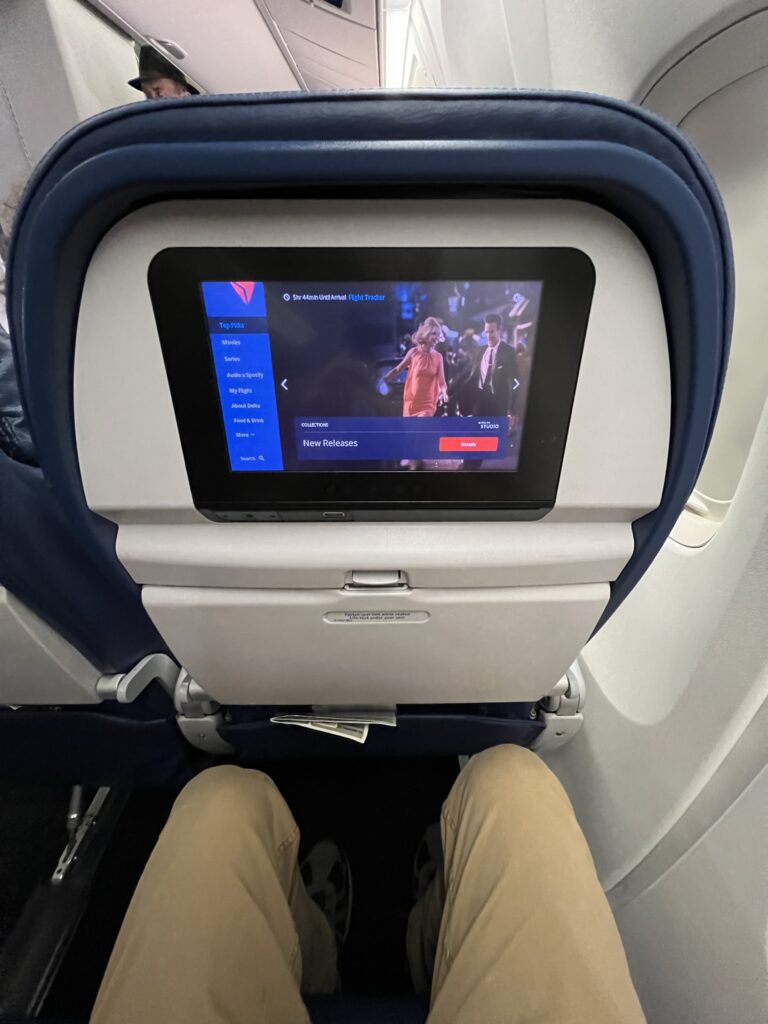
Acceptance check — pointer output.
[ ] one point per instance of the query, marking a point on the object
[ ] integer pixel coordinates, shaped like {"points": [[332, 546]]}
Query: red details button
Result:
{"points": [[469, 444]]}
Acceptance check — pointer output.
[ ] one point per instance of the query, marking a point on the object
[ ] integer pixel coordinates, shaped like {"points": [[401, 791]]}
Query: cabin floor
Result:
{"points": [[32, 835], [376, 809]]}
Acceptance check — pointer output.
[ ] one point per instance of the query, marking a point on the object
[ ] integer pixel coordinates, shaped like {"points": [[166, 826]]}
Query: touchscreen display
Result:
{"points": [[373, 375]]}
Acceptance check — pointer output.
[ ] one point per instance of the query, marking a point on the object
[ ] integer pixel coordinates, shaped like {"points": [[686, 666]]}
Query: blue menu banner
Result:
{"points": [[243, 361]]}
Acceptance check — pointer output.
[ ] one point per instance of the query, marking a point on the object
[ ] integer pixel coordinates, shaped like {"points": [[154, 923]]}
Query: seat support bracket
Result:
{"points": [[561, 711], [198, 716]]}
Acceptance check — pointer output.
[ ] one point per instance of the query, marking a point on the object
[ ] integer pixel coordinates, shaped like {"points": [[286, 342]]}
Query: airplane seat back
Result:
{"points": [[66, 628], [463, 612]]}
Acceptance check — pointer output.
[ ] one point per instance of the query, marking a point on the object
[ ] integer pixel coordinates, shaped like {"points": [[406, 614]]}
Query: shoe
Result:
{"points": [[327, 878], [428, 860]]}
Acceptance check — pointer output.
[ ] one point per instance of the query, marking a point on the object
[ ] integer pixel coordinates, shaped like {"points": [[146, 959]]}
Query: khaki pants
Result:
{"points": [[517, 928]]}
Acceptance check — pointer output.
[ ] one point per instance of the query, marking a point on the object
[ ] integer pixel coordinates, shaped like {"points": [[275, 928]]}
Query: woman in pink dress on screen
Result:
{"points": [[425, 384]]}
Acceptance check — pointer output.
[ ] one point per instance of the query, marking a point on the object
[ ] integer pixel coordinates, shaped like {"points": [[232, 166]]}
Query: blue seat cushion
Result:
{"points": [[124, 745]]}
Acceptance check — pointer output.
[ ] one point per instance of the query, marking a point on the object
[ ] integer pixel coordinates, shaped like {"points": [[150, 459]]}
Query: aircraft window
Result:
{"points": [[727, 130]]}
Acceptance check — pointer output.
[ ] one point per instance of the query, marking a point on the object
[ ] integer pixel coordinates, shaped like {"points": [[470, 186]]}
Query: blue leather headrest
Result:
{"points": [[545, 144]]}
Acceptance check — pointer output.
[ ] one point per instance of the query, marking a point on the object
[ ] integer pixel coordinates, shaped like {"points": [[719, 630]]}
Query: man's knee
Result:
{"points": [[507, 776], [227, 794]]}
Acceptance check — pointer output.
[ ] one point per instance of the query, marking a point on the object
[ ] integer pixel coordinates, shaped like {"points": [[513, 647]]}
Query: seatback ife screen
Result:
{"points": [[407, 375]]}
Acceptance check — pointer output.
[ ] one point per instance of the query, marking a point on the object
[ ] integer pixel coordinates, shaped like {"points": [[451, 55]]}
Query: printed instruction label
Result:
{"points": [[376, 617]]}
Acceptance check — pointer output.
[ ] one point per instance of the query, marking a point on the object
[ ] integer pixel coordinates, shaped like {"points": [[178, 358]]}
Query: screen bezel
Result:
{"points": [[174, 279]]}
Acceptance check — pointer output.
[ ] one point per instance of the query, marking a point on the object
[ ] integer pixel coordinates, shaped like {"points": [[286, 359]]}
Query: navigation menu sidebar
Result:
{"points": [[243, 360]]}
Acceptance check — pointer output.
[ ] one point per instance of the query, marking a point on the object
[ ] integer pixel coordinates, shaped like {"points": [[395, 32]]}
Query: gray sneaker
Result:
{"points": [[428, 860], [328, 880]]}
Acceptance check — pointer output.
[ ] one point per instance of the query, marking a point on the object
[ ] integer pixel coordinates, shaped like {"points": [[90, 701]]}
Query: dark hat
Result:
{"points": [[153, 65]]}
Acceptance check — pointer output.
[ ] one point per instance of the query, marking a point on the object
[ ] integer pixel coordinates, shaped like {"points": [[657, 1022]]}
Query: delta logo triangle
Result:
{"points": [[244, 289]]}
